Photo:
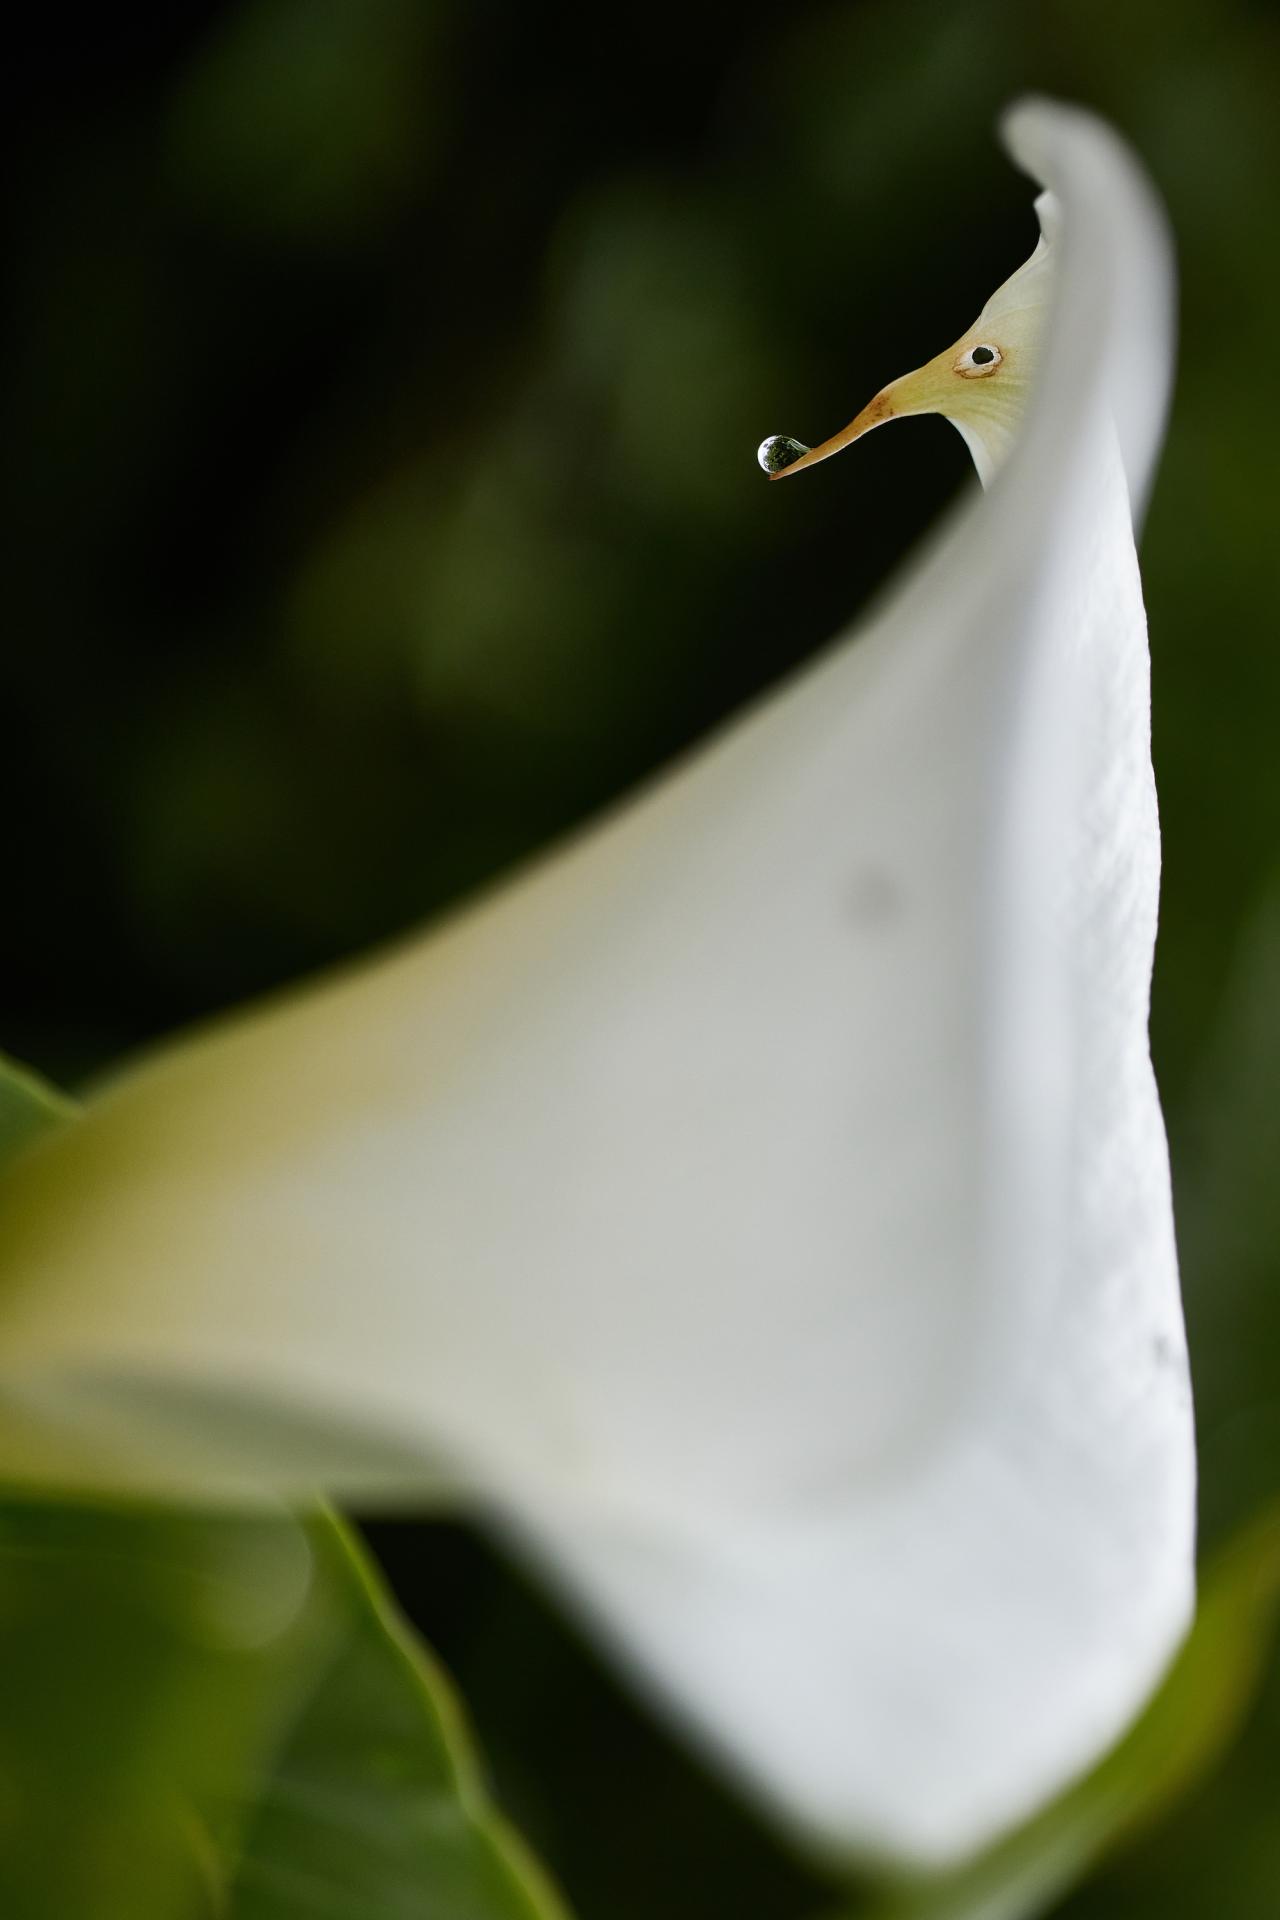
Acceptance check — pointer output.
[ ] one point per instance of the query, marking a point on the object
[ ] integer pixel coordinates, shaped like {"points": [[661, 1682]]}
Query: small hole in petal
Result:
{"points": [[979, 360]]}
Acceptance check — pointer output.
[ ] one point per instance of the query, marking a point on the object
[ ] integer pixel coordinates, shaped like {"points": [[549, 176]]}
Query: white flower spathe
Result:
{"points": [[761, 1207]]}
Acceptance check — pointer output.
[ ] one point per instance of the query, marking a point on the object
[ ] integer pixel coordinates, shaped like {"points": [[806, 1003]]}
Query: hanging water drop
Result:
{"points": [[779, 452]]}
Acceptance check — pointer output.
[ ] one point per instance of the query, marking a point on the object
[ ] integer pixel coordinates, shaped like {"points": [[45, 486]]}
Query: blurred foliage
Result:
{"points": [[216, 1715], [206, 1717], [383, 385]]}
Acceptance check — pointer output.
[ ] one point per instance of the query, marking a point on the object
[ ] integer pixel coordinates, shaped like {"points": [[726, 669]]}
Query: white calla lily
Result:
{"points": [[761, 1206]]}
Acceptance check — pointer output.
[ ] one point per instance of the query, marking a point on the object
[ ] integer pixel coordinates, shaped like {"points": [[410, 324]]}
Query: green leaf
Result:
{"points": [[374, 1808], [148, 1664], [222, 1717], [1187, 1728]]}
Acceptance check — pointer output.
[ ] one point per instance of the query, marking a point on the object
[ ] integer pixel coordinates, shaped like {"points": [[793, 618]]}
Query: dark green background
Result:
{"points": [[383, 382]]}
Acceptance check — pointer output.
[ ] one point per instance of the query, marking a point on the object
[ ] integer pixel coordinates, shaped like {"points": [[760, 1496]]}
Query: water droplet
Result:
{"points": [[779, 452]]}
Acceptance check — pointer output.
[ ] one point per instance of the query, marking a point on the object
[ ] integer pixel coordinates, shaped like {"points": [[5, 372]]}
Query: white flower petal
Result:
{"points": [[763, 1204]]}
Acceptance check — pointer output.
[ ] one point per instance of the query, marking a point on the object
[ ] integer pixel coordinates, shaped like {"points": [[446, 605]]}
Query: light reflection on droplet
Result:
{"points": [[779, 451]]}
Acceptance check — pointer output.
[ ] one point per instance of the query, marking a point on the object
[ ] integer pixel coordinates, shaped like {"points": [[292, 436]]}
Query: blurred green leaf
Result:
{"points": [[374, 1807], [205, 1716], [222, 1715], [1187, 1728], [148, 1664]]}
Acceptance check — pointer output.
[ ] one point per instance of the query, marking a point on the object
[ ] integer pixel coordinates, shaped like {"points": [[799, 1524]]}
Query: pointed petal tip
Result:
{"points": [[781, 456], [1022, 125]]}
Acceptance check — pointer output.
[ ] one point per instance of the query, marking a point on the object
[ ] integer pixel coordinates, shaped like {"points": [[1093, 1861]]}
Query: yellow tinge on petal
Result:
{"points": [[981, 383]]}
